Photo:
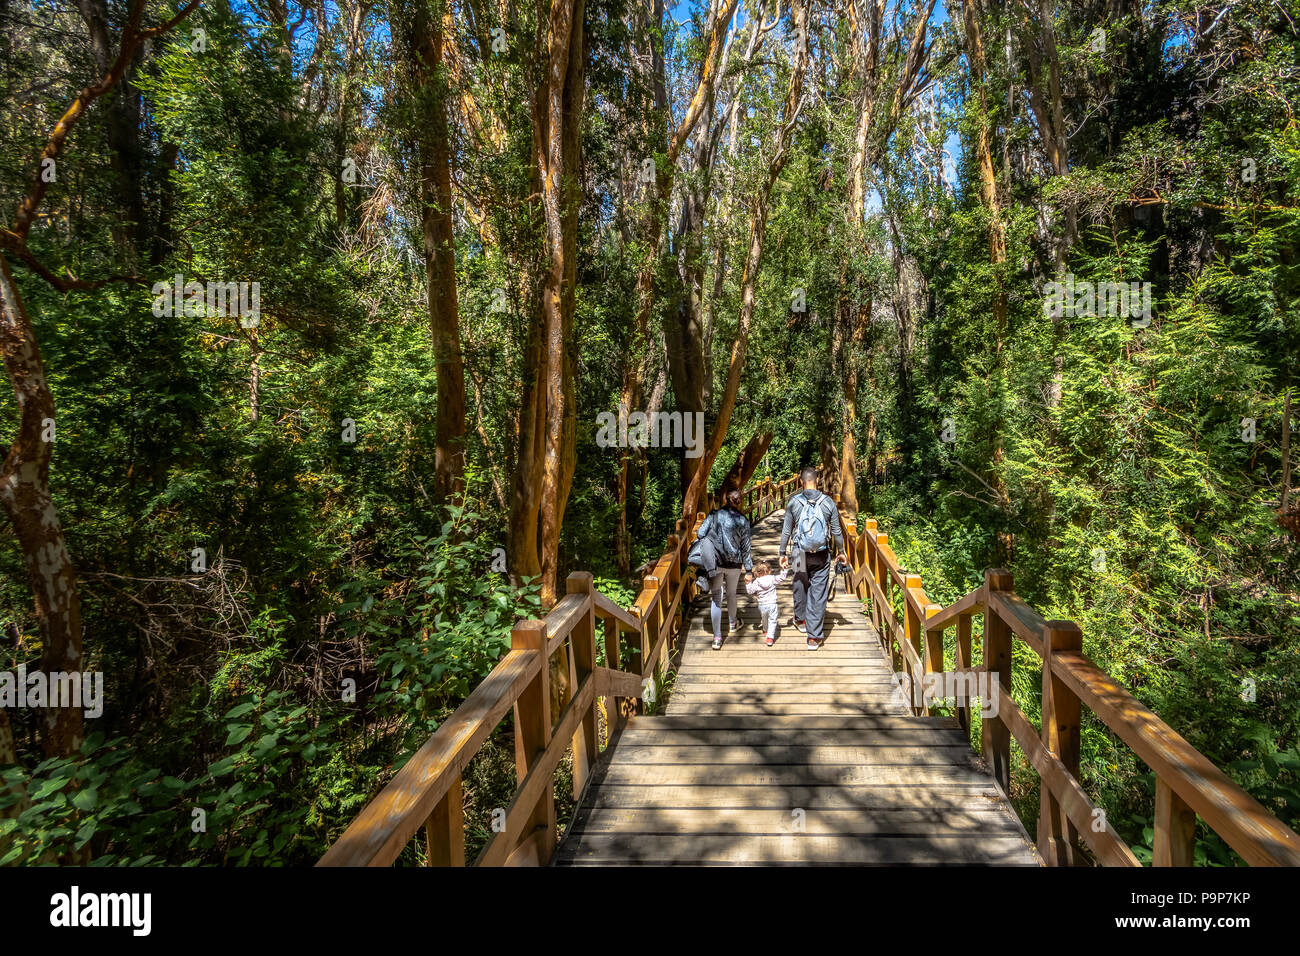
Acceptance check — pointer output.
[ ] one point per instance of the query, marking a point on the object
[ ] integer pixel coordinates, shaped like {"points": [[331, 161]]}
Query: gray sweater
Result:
{"points": [[794, 508]]}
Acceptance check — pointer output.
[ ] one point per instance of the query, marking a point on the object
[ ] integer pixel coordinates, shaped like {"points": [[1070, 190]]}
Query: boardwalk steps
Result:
{"points": [[781, 755], [785, 755]]}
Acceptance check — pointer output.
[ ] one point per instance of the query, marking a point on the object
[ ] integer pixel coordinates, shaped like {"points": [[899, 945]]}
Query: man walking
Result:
{"points": [[814, 521]]}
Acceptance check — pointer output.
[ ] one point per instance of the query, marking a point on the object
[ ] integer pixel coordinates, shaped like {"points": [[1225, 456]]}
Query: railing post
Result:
{"points": [[637, 663], [995, 736], [863, 557], [613, 660], [1062, 712], [850, 529], [444, 831], [662, 595], [933, 648], [870, 558], [1175, 836], [583, 641], [963, 663], [650, 625], [885, 582], [676, 574], [533, 732], [912, 633]]}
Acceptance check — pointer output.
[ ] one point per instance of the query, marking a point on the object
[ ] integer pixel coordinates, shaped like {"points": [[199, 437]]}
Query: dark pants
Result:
{"points": [[810, 590]]}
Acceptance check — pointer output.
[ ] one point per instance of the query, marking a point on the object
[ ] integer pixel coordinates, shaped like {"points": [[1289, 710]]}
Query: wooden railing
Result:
{"points": [[1187, 784], [426, 792]]}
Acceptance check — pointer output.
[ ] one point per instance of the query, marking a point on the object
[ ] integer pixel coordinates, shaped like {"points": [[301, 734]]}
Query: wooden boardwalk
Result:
{"points": [[782, 755]]}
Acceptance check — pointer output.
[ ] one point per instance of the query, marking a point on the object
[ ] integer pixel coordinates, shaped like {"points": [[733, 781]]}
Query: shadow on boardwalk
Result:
{"points": [[782, 755]]}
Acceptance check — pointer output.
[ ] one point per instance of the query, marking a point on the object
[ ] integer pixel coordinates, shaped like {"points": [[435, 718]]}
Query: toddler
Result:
{"points": [[762, 585]]}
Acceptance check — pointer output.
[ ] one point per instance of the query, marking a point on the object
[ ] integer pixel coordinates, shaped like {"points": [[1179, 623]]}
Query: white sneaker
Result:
{"points": [[717, 643]]}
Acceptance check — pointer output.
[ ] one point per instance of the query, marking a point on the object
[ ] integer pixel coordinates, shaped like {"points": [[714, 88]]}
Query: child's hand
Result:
{"points": [[749, 577]]}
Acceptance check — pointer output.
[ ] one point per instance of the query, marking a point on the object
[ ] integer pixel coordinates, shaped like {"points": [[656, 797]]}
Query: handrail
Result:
{"points": [[1187, 783], [426, 792]]}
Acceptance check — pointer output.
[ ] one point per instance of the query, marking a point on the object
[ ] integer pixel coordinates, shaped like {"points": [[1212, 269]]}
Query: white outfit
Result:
{"points": [[764, 590]]}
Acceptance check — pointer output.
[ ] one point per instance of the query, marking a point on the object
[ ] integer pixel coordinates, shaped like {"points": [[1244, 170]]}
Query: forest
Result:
{"points": [[323, 321]]}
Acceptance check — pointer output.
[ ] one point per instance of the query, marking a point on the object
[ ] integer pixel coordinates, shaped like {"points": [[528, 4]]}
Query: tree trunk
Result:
{"points": [[849, 456], [747, 461], [25, 473], [973, 18], [547, 422], [25, 494], [656, 209], [440, 254], [757, 232]]}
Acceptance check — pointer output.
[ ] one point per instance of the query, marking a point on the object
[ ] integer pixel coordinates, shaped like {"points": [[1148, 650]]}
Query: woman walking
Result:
{"points": [[727, 530]]}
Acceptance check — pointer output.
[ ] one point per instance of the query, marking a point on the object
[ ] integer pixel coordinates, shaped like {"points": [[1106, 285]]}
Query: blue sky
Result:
{"points": [[681, 11]]}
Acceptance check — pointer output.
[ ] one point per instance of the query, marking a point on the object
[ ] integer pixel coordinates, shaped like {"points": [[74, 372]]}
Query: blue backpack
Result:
{"points": [[813, 533]]}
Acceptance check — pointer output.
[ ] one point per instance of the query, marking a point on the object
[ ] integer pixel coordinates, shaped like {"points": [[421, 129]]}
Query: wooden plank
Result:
{"points": [[730, 683], [909, 821], [817, 756], [828, 652], [760, 776], [876, 722], [950, 795], [800, 849], [1260, 838], [378, 834], [620, 683], [972, 603], [915, 599], [778, 674], [933, 648], [1027, 623], [784, 709], [568, 611], [862, 642], [622, 617], [719, 663], [903, 736], [723, 695]]}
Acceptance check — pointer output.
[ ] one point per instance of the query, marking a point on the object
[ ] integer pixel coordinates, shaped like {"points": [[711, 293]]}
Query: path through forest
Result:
{"points": [[784, 755]]}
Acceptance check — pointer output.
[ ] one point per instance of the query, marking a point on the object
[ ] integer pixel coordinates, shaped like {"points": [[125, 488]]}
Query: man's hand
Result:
{"points": [[785, 562]]}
